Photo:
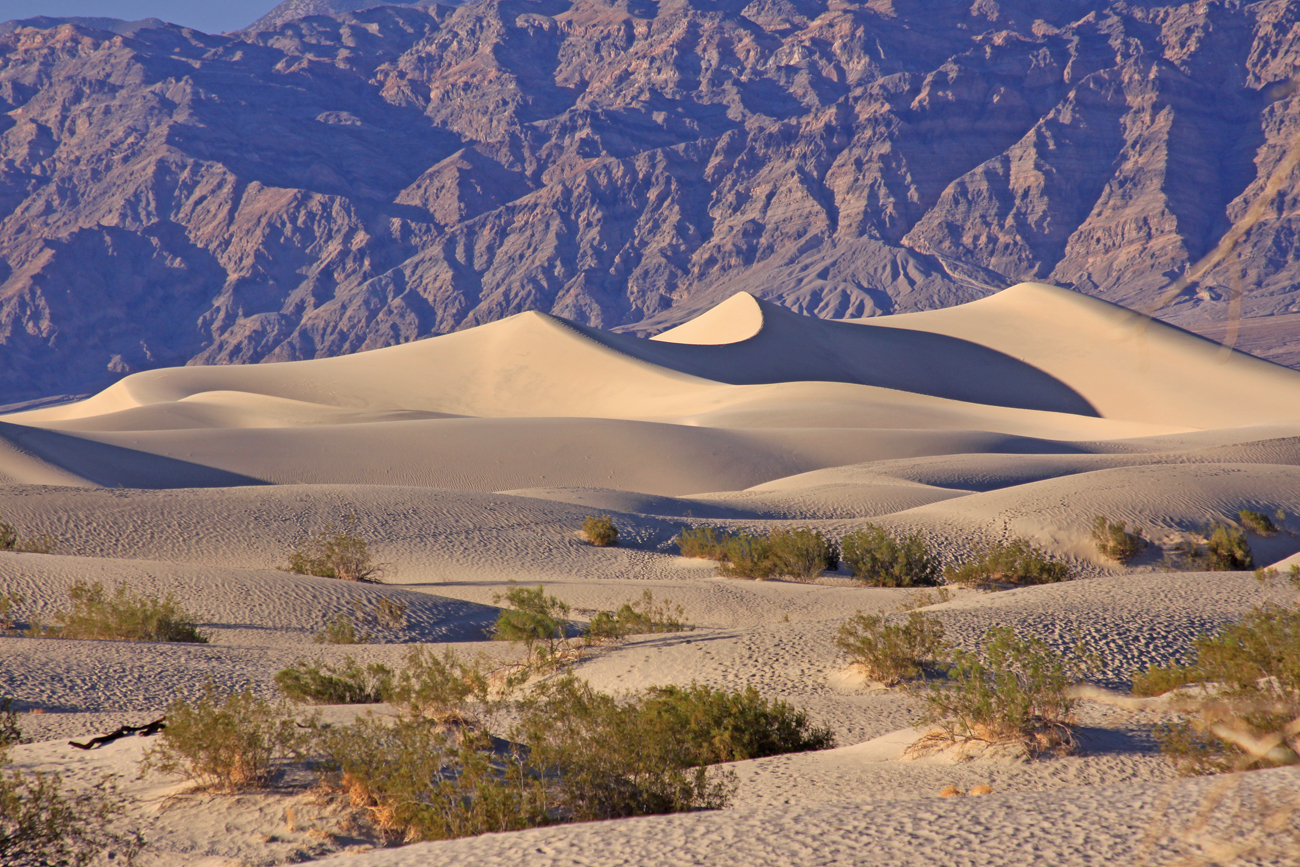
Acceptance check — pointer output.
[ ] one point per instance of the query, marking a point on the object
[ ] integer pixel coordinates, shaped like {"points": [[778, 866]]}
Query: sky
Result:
{"points": [[210, 16]]}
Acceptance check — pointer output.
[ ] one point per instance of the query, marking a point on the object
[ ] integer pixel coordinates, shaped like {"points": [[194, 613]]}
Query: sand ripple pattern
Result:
{"points": [[1102, 825]]}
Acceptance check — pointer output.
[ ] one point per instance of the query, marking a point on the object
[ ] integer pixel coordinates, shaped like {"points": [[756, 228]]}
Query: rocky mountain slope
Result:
{"points": [[291, 10], [337, 184], [111, 25]]}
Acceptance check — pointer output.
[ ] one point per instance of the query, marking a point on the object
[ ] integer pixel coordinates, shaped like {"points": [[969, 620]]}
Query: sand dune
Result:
{"points": [[470, 460], [1124, 364], [1029, 347]]}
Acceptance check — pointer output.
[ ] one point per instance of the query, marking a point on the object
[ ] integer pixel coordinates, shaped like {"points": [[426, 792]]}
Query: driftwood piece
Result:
{"points": [[143, 731]]}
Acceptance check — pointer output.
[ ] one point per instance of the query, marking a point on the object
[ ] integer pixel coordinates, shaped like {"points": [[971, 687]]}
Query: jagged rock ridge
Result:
{"points": [[337, 184], [112, 25], [291, 10]]}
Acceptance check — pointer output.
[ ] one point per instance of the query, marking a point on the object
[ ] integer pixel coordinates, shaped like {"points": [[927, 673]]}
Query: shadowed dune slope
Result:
{"points": [[486, 454], [787, 347]]}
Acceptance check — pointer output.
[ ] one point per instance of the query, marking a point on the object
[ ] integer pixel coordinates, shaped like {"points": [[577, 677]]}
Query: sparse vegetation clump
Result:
{"points": [[1258, 522], [10, 541], [799, 552], [42, 823], [575, 754], [703, 542], [1228, 549], [1115, 540], [10, 601], [124, 616], [877, 558], [336, 553], [1013, 691], [1245, 713], [802, 552], [1017, 563], [538, 621], [726, 726], [747, 556], [600, 531], [224, 742], [1219, 548], [10, 732], [1263, 576], [342, 629], [416, 780], [891, 651], [347, 683], [445, 689], [648, 753], [639, 617], [356, 628], [437, 771], [925, 598]]}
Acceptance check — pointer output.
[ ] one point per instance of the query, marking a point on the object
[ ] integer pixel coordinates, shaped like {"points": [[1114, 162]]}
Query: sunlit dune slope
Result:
{"points": [[1124, 364]]}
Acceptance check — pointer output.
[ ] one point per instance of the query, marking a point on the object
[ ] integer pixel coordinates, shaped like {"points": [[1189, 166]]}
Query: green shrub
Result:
{"points": [[1016, 562], [639, 617], [610, 759], [575, 755], [795, 552], [322, 683], [224, 742], [1013, 691], [802, 552], [1216, 547], [1259, 522], [1250, 672], [9, 604], [1228, 550], [10, 733], [539, 621], [746, 556], [601, 531], [721, 726], [419, 781], [122, 617], [336, 553], [879, 559], [1160, 679], [891, 652], [42, 824], [1114, 540], [445, 689], [9, 541], [703, 542]]}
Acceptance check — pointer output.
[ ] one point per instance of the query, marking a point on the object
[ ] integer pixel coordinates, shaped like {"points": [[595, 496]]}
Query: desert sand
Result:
{"points": [[471, 459]]}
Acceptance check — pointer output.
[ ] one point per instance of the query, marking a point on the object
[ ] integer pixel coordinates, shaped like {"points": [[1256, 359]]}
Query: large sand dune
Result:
{"points": [[470, 460]]}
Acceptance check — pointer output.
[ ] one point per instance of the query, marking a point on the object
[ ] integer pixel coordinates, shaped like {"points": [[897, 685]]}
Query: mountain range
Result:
{"points": [[314, 186]]}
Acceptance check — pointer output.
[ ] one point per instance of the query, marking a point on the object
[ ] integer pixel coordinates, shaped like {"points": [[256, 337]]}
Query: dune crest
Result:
{"points": [[1123, 363], [738, 318]]}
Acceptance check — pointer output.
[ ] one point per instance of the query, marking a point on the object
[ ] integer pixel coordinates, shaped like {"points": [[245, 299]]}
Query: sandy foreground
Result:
{"points": [[470, 461]]}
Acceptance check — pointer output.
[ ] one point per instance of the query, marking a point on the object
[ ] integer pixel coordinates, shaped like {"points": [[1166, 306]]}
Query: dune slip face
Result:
{"points": [[469, 462]]}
